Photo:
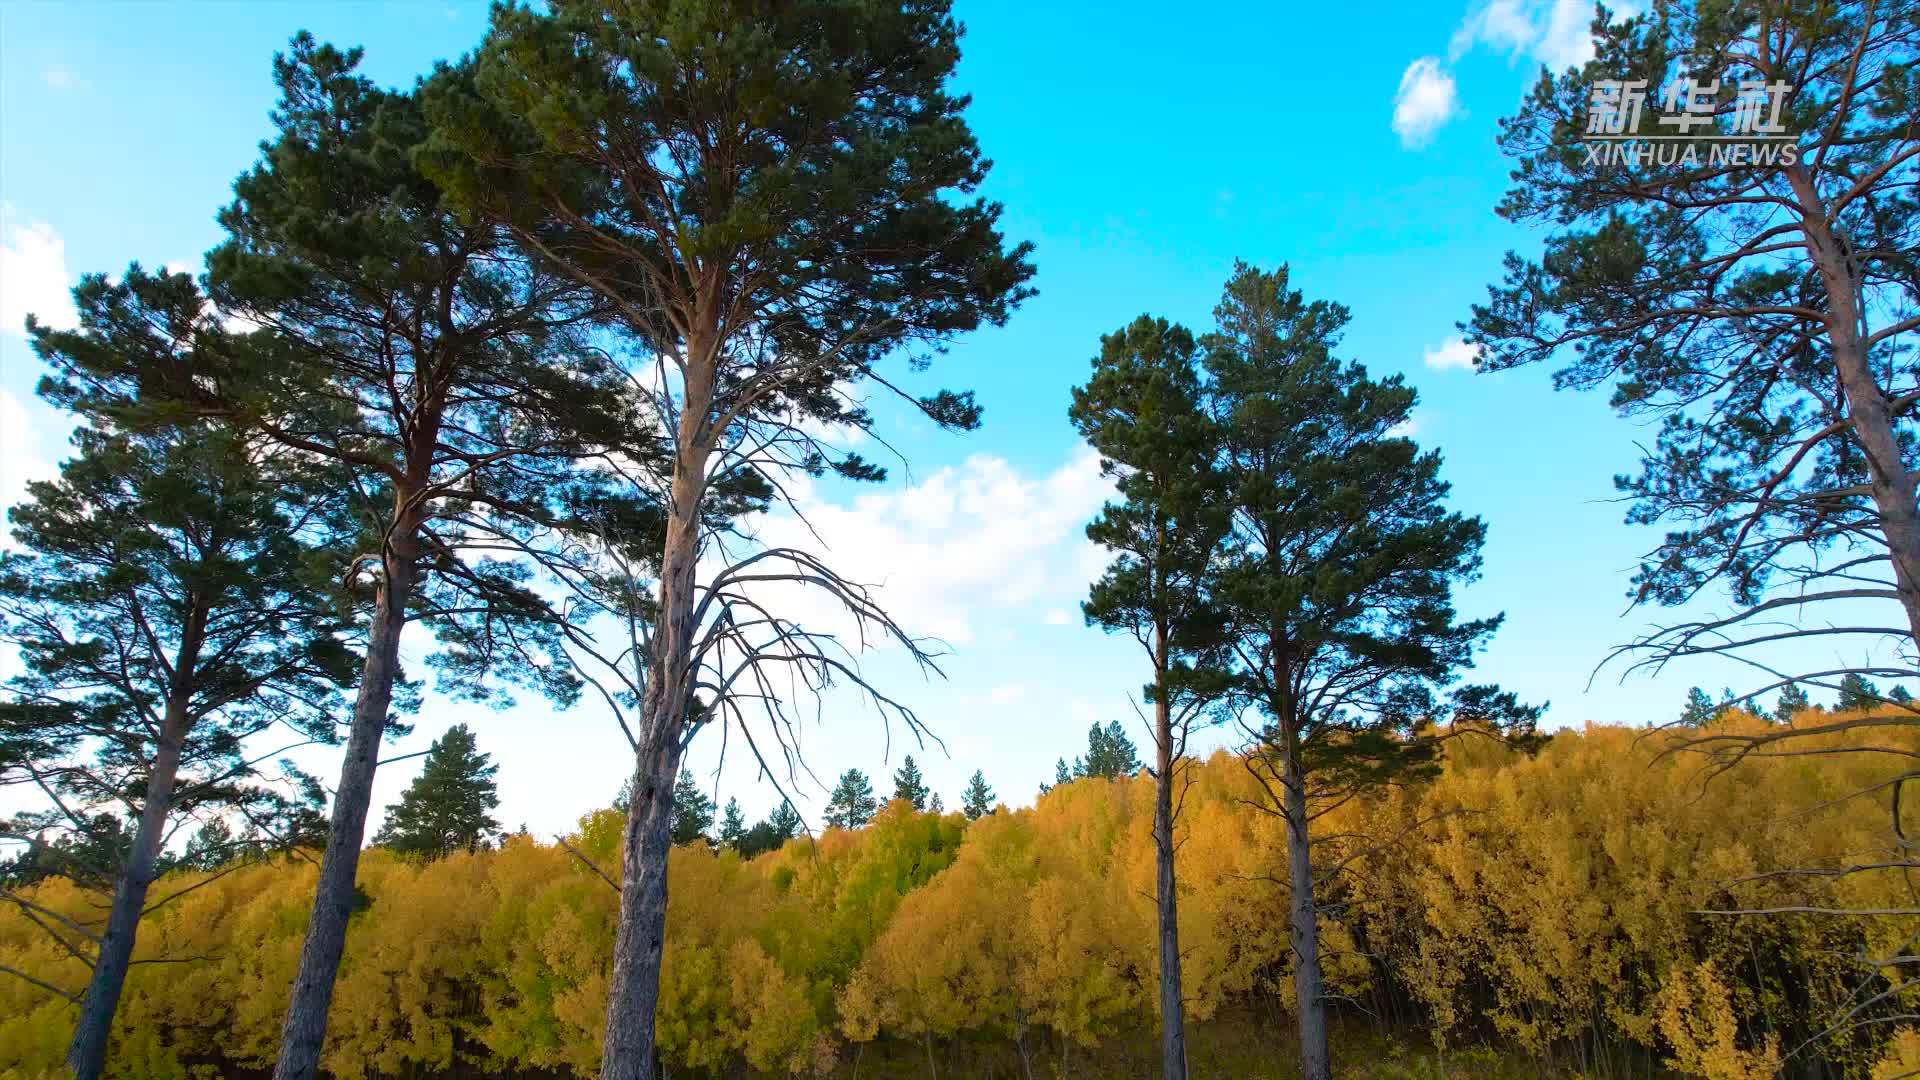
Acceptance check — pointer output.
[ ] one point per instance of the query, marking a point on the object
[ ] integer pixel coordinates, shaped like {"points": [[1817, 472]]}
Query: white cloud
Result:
{"points": [[21, 459], [1556, 33], [1504, 24], [59, 78], [1406, 429], [1059, 617], [968, 542], [1567, 40], [33, 275], [1426, 100], [1551, 32], [1453, 353]]}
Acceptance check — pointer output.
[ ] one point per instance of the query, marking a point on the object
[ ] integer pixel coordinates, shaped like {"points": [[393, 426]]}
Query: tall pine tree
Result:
{"points": [[779, 827], [1793, 701], [172, 599], [1700, 709], [448, 807], [777, 203], [1759, 308], [851, 803], [1143, 410], [1858, 692], [1338, 581], [1110, 753], [908, 784], [692, 810], [446, 373], [977, 801], [733, 826], [784, 822]]}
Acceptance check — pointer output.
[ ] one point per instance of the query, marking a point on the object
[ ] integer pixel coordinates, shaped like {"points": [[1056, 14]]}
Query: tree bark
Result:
{"points": [[627, 1049], [1892, 486], [304, 1031], [87, 1053], [634, 991], [1173, 1029], [1308, 989]]}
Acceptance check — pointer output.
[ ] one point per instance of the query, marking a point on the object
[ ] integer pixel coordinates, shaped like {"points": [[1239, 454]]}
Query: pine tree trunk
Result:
{"points": [[304, 1031], [634, 991], [1173, 1030], [1893, 488], [87, 1053], [627, 1049], [1309, 992]]}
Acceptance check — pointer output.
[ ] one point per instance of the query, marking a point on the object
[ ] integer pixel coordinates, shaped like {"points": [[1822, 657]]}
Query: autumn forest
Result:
{"points": [[519, 384]]}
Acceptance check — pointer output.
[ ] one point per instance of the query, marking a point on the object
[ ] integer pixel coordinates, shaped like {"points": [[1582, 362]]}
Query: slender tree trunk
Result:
{"points": [[1020, 1042], [1892, 486], [1308, 990], [304, 1031], [1173, 1028], [627, 1049], [634, 992], [87, 1053]]}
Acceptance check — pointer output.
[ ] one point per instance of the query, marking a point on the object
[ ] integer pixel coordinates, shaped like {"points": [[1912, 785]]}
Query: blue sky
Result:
{"points": [[1142, 154]]}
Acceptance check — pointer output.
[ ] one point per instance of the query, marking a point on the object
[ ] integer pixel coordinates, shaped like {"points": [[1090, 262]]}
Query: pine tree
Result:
{"points": [[87, 853], [1338, 581], [1061, 775], [1793, 701], [733, 826], [448, 806], [778, 203], [935, 804], [977, 801], [212, 846], [1857, 692], [1110, 753], [1700, 709], [1761, 313], [908, 785], [785, 822], [692, 810], [1142, 409], [423, 353], [172, 597], [852, 803], [779, 827]]}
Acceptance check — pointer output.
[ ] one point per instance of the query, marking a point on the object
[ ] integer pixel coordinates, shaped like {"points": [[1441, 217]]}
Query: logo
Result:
{"points": [[1686, 131]]}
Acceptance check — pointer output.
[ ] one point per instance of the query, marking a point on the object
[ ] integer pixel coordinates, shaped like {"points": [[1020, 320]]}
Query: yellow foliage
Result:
{"points": [[1540, 902], [1696, 1017], [1901, 1058]]}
